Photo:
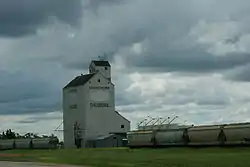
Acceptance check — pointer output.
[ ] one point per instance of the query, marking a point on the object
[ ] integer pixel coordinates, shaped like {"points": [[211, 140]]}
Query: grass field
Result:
{"points": [[123, 157]]}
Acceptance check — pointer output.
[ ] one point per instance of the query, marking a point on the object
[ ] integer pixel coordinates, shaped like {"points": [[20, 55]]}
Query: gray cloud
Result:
{"points": [[26, 121], [25, 93], [20, 18], [124, 97], [168, 46], [16, 87], [200, 100], [94, 4], [195, 38], [50, 116], [161, 60], [32, 106], [239, 74], [169, 34]]}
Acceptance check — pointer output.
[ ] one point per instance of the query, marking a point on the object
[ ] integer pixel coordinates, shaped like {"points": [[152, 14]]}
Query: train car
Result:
{"points": [[237, 134], [6, 144], [171, 137], [22, 143], [44, 143], [209, 135], [140, 139], [204, 135]]}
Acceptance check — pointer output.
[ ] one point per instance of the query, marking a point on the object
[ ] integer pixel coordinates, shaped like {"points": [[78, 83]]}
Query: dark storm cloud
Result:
{"points": [[45, 117], [94, 4], [19, 18], [27, 121], [22, 93], [83, 65], [213, 102], [32, 106], [179, 99], [161, 60], [113, 30], [161, 24], [122, 100], [239, 74], [15, 87], [119, 26]]}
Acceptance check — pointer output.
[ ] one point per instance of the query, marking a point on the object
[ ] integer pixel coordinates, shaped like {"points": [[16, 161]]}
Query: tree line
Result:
{"points": [[9, 134]]}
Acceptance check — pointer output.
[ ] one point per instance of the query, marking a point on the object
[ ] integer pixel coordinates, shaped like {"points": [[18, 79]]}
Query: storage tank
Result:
{"points": [[204, 135], [140, 138], [170, 137], [237, 134]]}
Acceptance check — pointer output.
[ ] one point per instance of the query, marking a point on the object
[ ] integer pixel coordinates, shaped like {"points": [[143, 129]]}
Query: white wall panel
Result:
{"points": [[99, 95]]}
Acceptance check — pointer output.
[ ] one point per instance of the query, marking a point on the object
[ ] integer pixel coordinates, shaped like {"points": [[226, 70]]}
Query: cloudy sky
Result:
{"points": [[187, 58]]}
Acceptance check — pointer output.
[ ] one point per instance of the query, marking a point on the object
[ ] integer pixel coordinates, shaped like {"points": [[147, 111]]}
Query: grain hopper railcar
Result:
{"points": [[6, 144], [21, 143], [43, 143], [237, 134], [46, 143], [204, 135], [211, 135], [140, 138], [171, 137]]}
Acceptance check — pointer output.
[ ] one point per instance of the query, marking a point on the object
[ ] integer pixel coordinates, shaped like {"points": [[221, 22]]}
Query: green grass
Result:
{"points": [[123, 157]]}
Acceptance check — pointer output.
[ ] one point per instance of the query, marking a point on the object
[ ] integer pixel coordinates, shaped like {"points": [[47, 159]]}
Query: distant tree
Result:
{"points": [[31, 136], [36, 136], [52, 135], [9, 134], [28, 135], [18, 136], [53, 139]]}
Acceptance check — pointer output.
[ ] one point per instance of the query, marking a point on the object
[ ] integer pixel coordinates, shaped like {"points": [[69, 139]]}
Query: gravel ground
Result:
{"points": [[28, 164]]}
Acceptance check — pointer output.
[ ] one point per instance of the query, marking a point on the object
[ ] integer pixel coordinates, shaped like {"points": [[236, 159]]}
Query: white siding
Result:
{"points": [[103, 120], [104, 70], [105, 73], [70, 116], [99, 95], [95, 110]]}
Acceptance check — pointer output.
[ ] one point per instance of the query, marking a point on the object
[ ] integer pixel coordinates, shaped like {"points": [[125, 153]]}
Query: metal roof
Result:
{"points": [[103, 137], [122, 116], [79, 80]]}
